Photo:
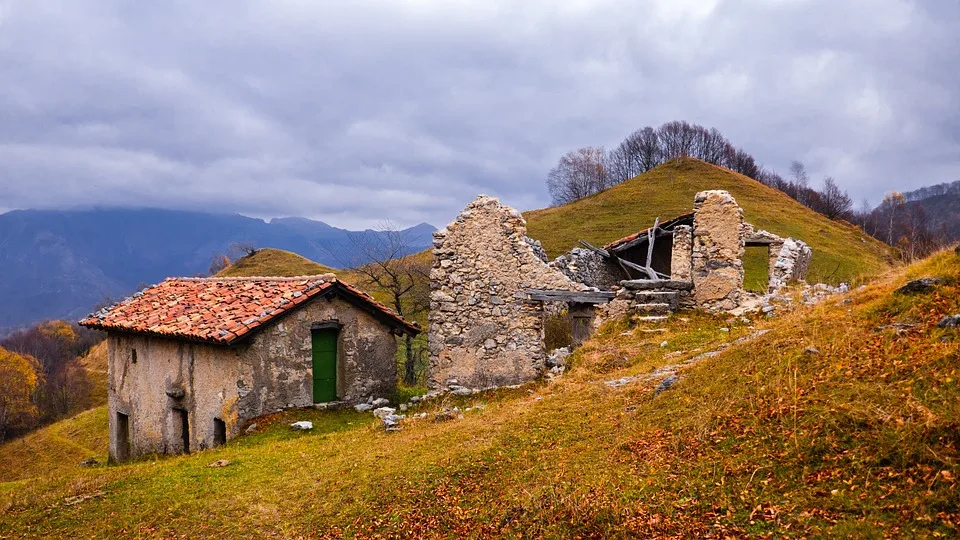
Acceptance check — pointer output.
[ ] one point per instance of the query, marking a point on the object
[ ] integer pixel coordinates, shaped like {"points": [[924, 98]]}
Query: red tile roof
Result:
{"points": [[223, 310]]}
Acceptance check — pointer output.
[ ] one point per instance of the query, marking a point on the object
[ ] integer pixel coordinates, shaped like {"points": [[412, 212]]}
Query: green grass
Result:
{"points": [[55, 449], [274, 262], [841, 252], [762, 439]]}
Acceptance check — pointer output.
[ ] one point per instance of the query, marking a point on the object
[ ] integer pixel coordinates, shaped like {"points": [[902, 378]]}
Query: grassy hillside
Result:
{"points": [[55, 449], [841, 251], [95, 362], [813, 430], [274, 262]]}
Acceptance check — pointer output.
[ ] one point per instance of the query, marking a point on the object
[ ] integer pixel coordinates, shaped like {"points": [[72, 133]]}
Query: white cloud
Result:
{"points": [[355, 111]]}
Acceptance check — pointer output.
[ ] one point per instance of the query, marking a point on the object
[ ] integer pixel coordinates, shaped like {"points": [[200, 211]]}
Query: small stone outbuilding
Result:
{"points": [[191, 360]]}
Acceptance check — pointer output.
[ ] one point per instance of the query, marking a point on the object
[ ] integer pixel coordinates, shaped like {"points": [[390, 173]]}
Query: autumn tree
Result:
{"points": [[383, 263], [218, 263], [578, 174], [18, 382], [64, 387]]}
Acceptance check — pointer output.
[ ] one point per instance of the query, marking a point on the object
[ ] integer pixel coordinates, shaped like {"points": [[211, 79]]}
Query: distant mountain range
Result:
{"points": [[60, 264]]}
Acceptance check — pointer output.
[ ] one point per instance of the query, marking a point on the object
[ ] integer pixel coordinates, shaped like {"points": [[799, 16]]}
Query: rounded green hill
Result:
{"points": [[841, 251]]}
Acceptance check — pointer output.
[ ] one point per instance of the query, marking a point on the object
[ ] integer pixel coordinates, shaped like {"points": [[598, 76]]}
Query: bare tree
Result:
{"points": [[578, 174], [892, 202], [382, 262], [798, 173], [238, 250], [834, 202], [637, 154]]}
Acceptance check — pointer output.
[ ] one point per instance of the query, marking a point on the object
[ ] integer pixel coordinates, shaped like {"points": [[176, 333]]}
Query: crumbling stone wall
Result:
{"points": [[681, 259], [791, 264], [718, 247], [482, 332], [587, 267]]}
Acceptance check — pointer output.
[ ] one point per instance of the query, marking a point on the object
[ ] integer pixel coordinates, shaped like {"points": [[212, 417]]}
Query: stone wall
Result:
{"points": [[718, 244], [482, 333], [271, 372], [681, 261], [791, 263], [588, 267]]}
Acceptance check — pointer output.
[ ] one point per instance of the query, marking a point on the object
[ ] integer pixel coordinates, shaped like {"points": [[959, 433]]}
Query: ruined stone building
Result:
{"points": [[192, 359], [492, 286]]}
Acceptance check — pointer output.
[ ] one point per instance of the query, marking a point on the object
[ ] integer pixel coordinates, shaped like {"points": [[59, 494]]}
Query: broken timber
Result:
{"points": [[650, 284], [579, 297]]}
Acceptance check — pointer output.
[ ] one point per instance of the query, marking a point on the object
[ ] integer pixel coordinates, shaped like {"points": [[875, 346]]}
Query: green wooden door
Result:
{"points": [[324, 365]]}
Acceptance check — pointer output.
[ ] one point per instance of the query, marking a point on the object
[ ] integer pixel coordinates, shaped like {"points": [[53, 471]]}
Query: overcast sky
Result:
{"points": [[356, 111]]}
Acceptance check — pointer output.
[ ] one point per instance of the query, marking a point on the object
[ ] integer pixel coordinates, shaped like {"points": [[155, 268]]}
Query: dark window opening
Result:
{"points": [[133, 356], [184, 423], [219, 432], [123, 436]]}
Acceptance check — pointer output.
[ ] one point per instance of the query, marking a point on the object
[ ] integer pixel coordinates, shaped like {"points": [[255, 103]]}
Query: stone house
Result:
{"points": [[191, 360], [492, 286]]}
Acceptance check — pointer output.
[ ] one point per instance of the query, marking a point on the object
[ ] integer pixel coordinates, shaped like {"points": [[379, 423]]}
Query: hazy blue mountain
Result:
{"points": [[59, 264]]}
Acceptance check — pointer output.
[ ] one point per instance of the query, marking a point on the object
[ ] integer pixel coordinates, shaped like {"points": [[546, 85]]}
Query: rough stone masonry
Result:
{"points": [[718, 247], [482, 330]]}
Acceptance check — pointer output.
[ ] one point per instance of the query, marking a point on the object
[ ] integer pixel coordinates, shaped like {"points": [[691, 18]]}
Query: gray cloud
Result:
{"points": [[355, 111]]}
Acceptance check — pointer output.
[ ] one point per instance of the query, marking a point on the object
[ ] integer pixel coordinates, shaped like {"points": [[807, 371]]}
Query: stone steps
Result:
{"points": [[652, 318], [654, 309], [672, 298]]}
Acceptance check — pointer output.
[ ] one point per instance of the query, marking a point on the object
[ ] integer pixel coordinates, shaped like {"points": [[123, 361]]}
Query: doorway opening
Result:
{"points": [[123, 437], [183, 422], [219, 432]]}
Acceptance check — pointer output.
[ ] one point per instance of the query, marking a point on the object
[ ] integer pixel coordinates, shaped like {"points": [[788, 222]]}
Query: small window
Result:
{"points": [[133, 356], [219, 432]]}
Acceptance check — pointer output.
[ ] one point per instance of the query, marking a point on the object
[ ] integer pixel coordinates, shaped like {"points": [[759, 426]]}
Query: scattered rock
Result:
{"points": [[445, 415], [558, 357], [89, 462], [220, 463], [380, 402], [404, 407], [461, 391], [77, 499], [664, 344], [919, 286], [302, 425], [415, 399], [363, 407], [666, 384], [384, 411], [724, 329], [952, 321], [811, 351], [251, 428]]}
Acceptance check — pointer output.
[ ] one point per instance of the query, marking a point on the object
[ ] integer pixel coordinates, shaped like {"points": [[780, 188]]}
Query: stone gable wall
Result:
{"points": [[482, 332], [718, 247]]}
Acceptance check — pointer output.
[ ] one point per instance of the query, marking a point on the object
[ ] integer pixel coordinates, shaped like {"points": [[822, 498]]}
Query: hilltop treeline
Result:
{"points": [[588, 170], [591, 169]]}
